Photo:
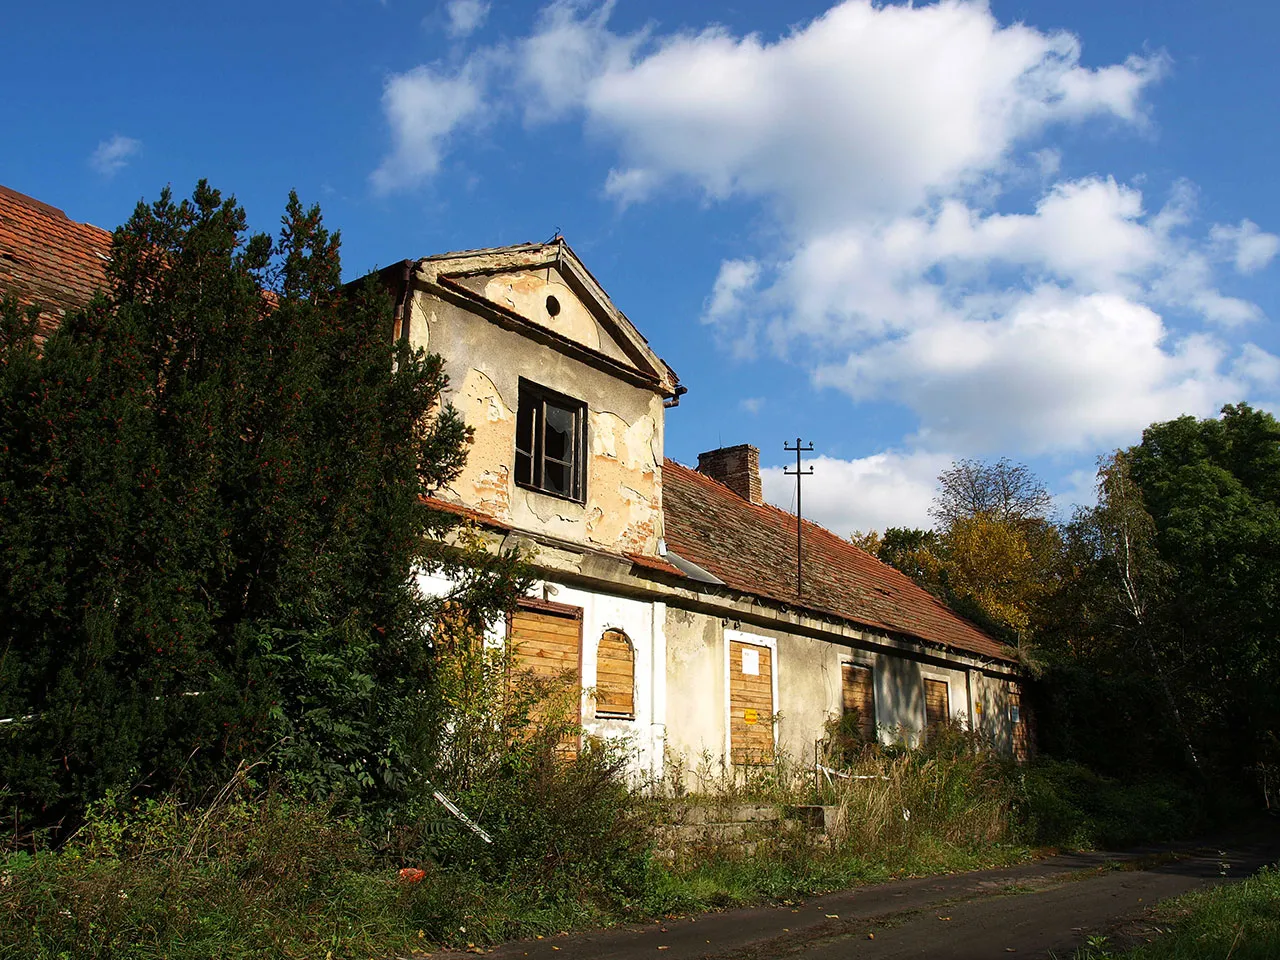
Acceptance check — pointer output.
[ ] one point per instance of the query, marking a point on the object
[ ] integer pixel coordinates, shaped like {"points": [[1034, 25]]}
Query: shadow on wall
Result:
{"points": [[995, 724], [900, 701]]}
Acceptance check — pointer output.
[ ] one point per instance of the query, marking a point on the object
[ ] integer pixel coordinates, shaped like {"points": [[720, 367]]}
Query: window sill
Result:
{"points": [[548, 493]]}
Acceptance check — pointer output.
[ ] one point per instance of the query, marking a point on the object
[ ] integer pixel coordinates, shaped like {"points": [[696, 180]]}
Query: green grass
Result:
{"points": [[257, 874], [781, 876], [1240, 921]]}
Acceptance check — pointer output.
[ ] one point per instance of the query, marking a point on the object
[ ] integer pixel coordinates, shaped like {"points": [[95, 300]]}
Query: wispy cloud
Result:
{"points": [[424, 109], [465, 16], [113, 155]]}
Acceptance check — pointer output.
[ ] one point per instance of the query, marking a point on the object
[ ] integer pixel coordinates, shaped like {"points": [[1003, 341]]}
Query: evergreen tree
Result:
{"points": [[212, 506]]}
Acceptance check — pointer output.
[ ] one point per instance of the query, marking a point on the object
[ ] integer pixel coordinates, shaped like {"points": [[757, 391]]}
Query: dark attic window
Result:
{"points": [[551, 437]]}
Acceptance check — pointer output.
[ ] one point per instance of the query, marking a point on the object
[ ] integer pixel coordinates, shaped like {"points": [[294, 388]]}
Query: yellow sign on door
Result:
{"points": [[750, 716]]}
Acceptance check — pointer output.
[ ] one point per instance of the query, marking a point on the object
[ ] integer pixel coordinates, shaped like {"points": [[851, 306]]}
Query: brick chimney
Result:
{"points": [[738, 468]]}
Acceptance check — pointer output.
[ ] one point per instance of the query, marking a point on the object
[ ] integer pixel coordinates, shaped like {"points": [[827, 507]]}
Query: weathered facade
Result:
{"points": [[688, 571], [669, 593]]}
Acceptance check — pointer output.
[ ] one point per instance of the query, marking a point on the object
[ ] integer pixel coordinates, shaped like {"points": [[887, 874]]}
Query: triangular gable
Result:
{"points": [[547, 287]]}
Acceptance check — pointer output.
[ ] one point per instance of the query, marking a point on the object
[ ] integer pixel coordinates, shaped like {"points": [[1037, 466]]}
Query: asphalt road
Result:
{"points": [[1037, 910]]}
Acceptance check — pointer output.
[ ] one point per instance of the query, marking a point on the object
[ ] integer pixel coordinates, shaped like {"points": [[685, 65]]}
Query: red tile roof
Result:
{"points": [[48, 258], [466, 513], [752, 548]]}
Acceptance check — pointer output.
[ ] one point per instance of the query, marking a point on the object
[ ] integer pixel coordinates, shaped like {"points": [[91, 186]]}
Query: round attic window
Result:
{"points": [[553, 306]]}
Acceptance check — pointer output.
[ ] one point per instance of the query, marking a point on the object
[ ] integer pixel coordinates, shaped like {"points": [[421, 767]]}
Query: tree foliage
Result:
{"points": [[1213, 490], [1156, 611], [993, 555], [1174, 589], [211, 511], [1004, 491]]}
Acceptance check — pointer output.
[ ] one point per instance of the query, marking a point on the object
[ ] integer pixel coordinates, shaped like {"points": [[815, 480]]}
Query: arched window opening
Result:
{"points": [[615, 677]]}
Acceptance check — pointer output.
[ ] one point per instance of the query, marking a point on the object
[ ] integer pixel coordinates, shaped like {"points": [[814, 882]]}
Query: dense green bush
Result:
{"points": [[1066, 804], [255, 872]]}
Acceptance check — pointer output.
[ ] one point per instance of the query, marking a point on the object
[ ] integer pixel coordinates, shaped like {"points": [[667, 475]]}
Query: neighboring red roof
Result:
{"points": [[653, 563], [752, 548], [466, 513], [49, 259]]}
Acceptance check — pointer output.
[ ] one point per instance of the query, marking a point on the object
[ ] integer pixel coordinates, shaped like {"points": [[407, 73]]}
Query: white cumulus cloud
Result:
{"points": [[925, 247], [892, 489], [113, 154], [867, 109], [1246, 245]]}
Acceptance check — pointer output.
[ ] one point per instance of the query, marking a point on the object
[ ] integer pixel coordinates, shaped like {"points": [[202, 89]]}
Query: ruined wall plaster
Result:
{"points": [[525, 292], [485, 363]]}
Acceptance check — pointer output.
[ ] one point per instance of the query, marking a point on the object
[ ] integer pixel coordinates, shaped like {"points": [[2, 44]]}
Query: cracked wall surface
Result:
{"points": [[485, 362]]}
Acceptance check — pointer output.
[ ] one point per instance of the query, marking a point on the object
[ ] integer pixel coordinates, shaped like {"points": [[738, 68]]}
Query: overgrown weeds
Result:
{"points": [[258, 871]]}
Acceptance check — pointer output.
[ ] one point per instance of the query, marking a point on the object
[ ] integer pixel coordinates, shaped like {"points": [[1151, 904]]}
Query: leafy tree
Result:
{"points": [[1172, 597], [997, 555], [211, 510], [915, 553], [1213, 491], [994, 557], [1121, 585], [989, 562], [1003, 491]]}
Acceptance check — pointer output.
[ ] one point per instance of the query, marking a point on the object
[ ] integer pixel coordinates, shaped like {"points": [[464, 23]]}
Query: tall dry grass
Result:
{"points": [[894, 801]]}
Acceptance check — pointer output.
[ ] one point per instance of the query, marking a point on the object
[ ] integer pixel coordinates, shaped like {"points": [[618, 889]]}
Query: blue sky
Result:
{"points": [[909, 234]]}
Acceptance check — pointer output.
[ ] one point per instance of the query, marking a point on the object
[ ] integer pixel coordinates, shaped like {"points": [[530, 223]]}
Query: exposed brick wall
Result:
{"points": [[738, 468]]}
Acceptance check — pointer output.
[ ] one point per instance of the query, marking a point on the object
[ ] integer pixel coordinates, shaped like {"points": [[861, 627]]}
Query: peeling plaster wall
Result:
{"points": [[994, 722], [526, 293], [485, 362], [695, 689], [809, 691], [681, 717], [644, 623], [899, 686]]}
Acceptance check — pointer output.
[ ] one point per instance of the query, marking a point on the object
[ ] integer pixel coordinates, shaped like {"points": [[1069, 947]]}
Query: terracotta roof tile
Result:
{"points": [[653, 563], [49, 259], [752, 548], [466, 513]]}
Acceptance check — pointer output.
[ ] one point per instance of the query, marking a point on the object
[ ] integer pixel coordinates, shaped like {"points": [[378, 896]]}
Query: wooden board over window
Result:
{"points": [[859, 698], [750, 703], [937, 703], [1018, 724], [546, 640], [615, 677]]}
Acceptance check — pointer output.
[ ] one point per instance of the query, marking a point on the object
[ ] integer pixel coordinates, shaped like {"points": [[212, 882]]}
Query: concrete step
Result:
{"points": [[725, 813]]}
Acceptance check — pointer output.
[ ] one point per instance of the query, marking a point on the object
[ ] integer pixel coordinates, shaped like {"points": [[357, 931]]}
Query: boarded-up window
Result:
{"points": [[615, 676], [546, 640], [859, 698], [750, 703], [1018, 723], [937, 703]]}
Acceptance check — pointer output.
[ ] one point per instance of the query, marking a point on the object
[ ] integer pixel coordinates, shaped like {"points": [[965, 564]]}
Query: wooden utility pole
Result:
{"points": [[799, 473]]}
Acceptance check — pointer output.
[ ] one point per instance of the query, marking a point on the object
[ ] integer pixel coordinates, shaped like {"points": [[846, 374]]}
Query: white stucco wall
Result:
{"points": [[681, 683], [644, 623]]}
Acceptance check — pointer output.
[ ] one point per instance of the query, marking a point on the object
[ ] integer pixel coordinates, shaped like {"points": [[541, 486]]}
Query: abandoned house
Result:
{"points": [[668, 592]]}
